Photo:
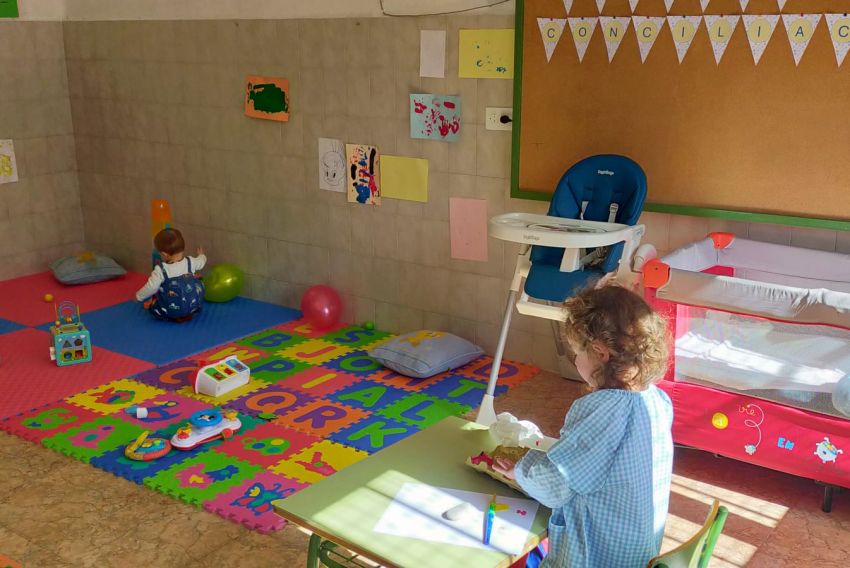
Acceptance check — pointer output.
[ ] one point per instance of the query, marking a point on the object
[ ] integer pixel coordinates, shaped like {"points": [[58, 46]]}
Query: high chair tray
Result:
{"points": [[544, 230]]}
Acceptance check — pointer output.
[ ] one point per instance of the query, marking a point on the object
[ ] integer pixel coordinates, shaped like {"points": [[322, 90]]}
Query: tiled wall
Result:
{"points": [[40, 216], [158, 112]]}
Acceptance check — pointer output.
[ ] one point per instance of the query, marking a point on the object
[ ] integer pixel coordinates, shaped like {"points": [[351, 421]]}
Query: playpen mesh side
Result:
{"points": [[814, 378]]}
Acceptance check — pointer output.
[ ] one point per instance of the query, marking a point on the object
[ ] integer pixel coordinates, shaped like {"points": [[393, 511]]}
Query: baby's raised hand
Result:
{"points": [[200, 251]]}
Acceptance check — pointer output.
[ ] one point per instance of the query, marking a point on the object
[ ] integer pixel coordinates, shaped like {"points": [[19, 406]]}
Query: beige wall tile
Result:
{"points": [[821, 239], [770, 233]]}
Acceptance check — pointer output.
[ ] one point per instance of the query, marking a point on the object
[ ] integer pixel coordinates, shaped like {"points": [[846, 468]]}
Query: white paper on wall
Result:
{"points": [[839, 31], [744, 4], [633, 4], [720, 30], [800, 28], [568, 5], [613, 29], [551, 30], [432, 53], [668, 4], [759, 31], [599, 5], [332, 165], [683, 29], [704, 4], [582, 30], [781, 3], [647, 29], [8, 164]]}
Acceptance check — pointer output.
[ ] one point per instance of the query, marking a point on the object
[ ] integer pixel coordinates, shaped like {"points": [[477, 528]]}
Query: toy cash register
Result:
{"points": [[219, 378]]}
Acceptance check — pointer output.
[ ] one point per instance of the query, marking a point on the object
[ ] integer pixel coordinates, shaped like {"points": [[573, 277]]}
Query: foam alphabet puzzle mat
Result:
{"points": [[315, 404]]}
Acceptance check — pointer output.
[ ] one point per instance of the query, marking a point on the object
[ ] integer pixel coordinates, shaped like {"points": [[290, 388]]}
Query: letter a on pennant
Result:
{"points": [[800, 30], [551, 30]]}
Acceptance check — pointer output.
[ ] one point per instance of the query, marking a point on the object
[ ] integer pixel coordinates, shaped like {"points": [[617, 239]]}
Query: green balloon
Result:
{"points": [[223, 283]]}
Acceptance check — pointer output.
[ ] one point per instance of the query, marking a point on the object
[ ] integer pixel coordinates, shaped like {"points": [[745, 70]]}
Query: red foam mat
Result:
{"points": [[28, 378], [22, 299]]}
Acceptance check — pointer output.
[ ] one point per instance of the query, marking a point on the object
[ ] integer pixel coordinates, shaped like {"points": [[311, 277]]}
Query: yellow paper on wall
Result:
{"points": [[404, 178], [486, 54]]}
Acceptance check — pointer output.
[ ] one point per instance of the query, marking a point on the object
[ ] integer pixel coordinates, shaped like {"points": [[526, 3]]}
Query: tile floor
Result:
{"points": [[57, 512]]}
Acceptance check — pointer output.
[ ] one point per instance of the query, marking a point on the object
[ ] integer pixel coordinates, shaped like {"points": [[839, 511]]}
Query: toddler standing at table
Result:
{"points": [[607, 479]]}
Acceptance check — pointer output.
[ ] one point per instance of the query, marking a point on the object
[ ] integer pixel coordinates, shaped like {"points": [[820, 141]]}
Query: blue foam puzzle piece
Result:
{"points": [[460, 389], [373, 433], [127, 328], [7, 326]]}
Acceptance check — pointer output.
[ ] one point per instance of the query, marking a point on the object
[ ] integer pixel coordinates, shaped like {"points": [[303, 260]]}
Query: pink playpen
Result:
{"points": [[761, 363]]}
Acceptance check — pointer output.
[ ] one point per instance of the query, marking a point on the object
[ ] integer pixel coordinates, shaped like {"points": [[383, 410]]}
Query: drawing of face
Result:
{"points": [[333, 168]]}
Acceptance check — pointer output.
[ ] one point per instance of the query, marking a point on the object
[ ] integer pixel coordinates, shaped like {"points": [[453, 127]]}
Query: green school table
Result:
{"points": [[345, 507]]}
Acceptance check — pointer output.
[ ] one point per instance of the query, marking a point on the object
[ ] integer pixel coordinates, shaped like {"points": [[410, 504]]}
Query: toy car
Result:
{"points": [[205, 426]]}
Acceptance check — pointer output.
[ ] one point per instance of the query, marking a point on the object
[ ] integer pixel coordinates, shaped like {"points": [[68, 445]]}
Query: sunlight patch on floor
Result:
{"points": [[729, 552], [745, 506]]}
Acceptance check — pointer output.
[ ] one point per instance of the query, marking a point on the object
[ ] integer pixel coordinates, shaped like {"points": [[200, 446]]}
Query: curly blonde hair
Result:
{"points": [[636, 336]]}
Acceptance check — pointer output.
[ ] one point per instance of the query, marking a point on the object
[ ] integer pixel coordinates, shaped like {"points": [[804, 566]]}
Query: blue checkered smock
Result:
{"points": [[607, 480]]}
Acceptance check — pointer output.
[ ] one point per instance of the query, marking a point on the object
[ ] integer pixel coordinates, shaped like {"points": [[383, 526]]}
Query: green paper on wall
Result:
{"points": [[404, 178], [8, 8]]}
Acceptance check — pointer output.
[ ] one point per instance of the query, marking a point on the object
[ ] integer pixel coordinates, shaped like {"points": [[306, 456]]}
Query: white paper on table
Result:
{"points": [[432, 53], [417, 512]]}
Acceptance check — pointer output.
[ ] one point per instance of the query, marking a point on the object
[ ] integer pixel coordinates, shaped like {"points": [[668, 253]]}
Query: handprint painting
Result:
{"points": [[363, 174], [435, 117]]}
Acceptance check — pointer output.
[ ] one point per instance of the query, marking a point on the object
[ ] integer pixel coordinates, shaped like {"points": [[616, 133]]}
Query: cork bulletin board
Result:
{"points": [[766, 142]]}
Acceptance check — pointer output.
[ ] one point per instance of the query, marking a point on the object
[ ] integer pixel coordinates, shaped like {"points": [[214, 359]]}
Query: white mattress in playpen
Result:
{"points": [[746, 353]]}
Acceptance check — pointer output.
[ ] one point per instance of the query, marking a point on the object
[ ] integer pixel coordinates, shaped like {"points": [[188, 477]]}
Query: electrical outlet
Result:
{"points": [[499, 118]]}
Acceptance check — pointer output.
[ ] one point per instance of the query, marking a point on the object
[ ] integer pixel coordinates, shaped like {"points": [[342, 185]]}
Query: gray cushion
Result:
{"points": [[85, 268], [425, 353]]}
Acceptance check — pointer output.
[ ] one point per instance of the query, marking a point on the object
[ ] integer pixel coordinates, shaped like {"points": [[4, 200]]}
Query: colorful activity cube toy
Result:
{"points": [[70, 338]]}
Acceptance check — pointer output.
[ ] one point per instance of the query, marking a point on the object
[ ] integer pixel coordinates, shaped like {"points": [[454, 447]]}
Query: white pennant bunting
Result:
{"points": [[600, 4], [683, 28], [744, 4], [781, 3], [568, 5], [759, 31], [800, 30], [582, 31], [704, 4], [613, 30], [839, 31], [633, 4], [647, 30], [720, 30], [551, 30], [668, 4]]}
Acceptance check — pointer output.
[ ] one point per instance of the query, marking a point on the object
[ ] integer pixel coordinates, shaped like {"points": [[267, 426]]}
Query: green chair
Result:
{"points": [[323, 553], [696, 552]]}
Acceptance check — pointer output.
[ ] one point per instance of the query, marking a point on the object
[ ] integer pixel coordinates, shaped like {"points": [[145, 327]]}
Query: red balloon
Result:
{"points": [[321, 306]]}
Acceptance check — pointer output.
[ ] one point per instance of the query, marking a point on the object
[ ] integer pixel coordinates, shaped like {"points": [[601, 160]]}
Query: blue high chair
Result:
{"points": [[589, 233]]}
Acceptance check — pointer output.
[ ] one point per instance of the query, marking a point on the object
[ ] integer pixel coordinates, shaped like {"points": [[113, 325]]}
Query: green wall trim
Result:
{"points": [[518, 193], [517, 122], [750, 217]]}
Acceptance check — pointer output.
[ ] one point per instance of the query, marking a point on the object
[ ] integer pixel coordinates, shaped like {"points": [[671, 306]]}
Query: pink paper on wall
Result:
{"points": [[468, 228]]}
